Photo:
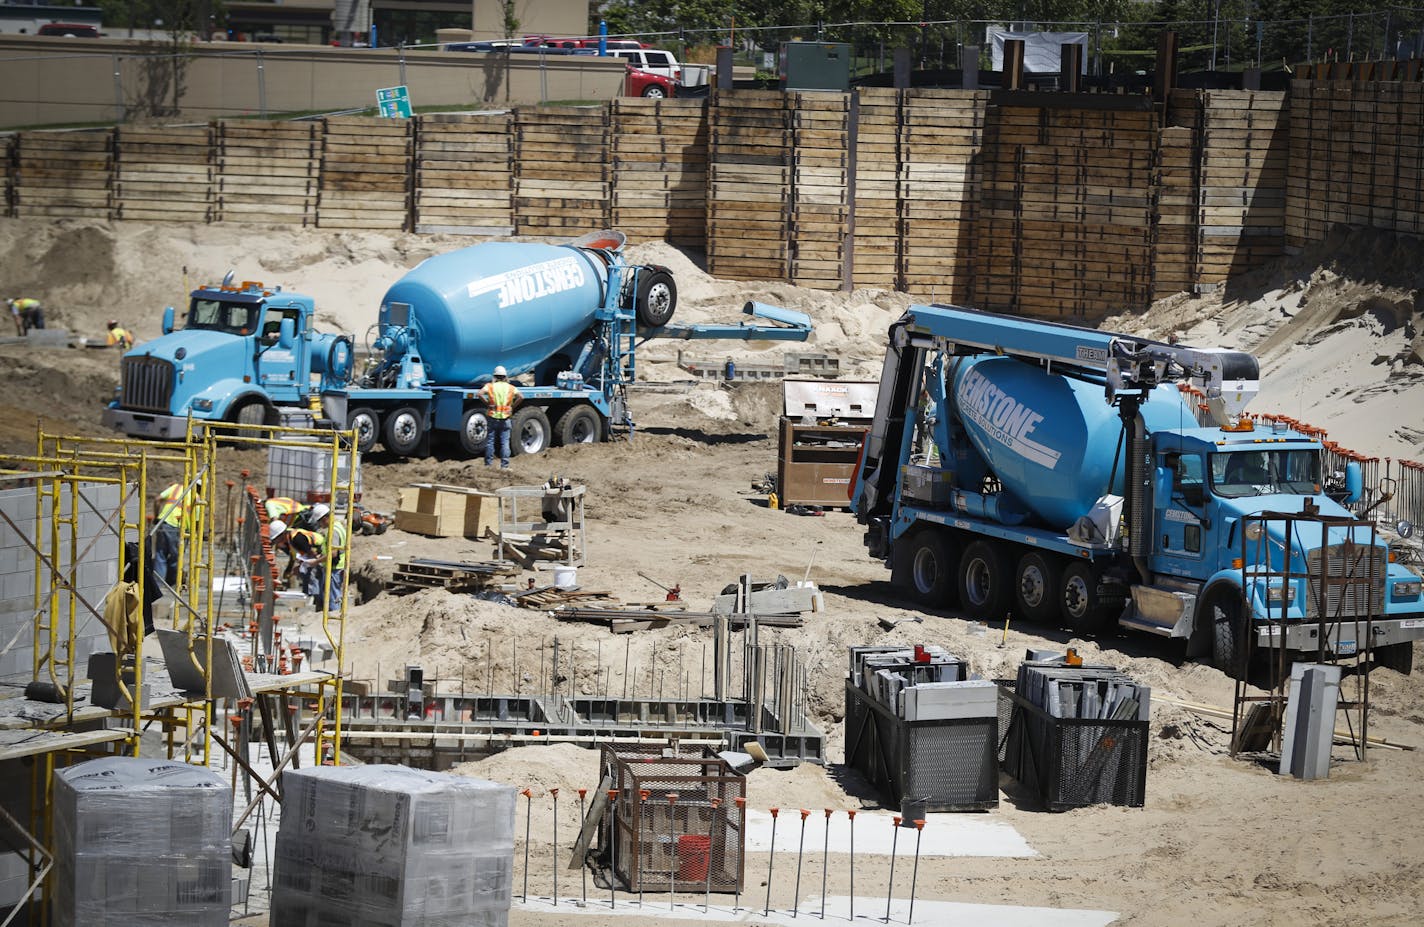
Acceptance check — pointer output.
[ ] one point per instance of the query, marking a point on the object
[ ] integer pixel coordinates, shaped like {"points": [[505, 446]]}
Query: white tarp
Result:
{"points": [[1041, 49]]}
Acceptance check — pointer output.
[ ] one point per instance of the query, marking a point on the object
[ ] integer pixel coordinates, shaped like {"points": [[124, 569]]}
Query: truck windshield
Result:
{"points": [[1261, 473], [233, 318]]}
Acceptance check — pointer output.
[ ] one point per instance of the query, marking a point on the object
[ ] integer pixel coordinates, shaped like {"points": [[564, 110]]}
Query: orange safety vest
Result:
{"points": [[499, 397], [120, 336], [176, 506]]}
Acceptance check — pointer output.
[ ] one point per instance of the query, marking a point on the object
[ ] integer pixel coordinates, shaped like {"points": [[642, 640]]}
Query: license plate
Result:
{"points": [[1345, 647], [1412, 623]]}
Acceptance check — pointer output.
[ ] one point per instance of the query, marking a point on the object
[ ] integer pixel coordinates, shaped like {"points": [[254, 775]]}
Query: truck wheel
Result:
{"points": [[474, 432], [657, 298], [1397, 657], [1083, 606], [984, 581], [1228, 637], [1035, 581], [367, 425], [529, 431], [579, 425], [404, 429], [924, 568]]}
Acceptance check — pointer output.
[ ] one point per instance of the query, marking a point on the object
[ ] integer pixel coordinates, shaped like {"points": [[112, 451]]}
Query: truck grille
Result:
{"points": [[148, 384], [1354, 575]]}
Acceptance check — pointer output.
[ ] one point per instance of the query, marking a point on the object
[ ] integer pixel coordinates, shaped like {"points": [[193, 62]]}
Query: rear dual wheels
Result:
{"points": [[1036, 581], [924, 566], [984, 589], [404, 431], [1087, 602], [367, 425], [580, 424], [529, 431]]}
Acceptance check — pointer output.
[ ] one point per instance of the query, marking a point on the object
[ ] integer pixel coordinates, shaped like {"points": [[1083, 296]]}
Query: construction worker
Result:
{"points": [[118, 335], [303, 549], [285, 509], [500, 398], [324, 527], [173, 516], [28, 312]]}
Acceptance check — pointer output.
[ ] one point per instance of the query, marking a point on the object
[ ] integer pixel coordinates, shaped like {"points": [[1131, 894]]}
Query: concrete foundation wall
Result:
{"points": [[58, 82]]}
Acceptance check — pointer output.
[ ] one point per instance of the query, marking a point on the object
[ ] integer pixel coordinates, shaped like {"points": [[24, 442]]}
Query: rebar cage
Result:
{"points": [[676, 822]]}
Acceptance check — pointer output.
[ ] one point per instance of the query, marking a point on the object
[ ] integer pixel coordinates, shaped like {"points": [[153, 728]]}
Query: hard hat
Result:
{"points": [[276, 528], [113, 323], [320, 511], [500, 371]]}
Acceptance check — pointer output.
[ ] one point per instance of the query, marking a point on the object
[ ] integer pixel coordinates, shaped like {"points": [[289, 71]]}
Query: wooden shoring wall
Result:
{"points": [[561, 170], [876, 241], [659, 162], [1065, 227], [366, 174], [267, 172], [164, 175], [1242, 194], [62, 175], [1178, 177], [819, 223], [1356, 157], [749, 164], [464, 168], [941, 172]]}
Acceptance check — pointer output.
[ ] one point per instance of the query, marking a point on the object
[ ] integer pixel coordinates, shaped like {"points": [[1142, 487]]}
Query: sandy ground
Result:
{"points": [[1220, 841]]}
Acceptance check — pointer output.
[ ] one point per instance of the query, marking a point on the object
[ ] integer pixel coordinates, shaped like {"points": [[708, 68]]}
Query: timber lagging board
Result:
{"points": [[659, 170], [464, 173]]}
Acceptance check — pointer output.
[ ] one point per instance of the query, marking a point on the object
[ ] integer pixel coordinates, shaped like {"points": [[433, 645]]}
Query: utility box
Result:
{"points": [[823, 425], [815, 66]]}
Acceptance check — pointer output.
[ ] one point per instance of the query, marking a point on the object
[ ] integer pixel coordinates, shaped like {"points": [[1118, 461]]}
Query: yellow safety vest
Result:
{"points": [[338, 545], [499, 397], [26, 303], [176, 507], [120, 336], [283, 507]]}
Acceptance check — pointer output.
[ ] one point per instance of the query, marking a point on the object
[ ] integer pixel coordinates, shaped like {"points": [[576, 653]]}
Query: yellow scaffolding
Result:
{"points": [[71, 728]]}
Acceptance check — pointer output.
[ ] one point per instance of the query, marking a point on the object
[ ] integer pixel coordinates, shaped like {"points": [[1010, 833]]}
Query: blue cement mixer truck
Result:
{"points": [[1055, 473], [564, 320]]}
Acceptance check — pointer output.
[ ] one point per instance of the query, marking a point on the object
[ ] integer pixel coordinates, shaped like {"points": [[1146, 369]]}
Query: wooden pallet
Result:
{"points": [[455, 576]]}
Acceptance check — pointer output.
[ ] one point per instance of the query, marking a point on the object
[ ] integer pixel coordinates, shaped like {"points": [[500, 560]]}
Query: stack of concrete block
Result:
{"points": [[95, 572], [394, 847], [141, 843]]}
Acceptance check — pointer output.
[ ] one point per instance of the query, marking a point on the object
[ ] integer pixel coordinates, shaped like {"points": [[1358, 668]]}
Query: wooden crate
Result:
{"points": [[443, 511]]}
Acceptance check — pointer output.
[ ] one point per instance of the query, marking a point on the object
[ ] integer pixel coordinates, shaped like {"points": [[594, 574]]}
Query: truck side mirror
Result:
{"points": [[1162, 485], [1354, 482], [287, 334], [167, 320]]}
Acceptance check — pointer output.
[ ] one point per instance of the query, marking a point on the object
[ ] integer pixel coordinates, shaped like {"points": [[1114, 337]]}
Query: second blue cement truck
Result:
{"points": [[1055, 473], [566, 318]]}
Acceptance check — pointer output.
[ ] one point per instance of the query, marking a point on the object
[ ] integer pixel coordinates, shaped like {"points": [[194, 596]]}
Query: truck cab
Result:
{"points": [[241, 353]]}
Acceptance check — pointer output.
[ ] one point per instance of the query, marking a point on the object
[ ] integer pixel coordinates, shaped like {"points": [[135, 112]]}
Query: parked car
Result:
{"points": [[650, 59], [69, 30], [640, 83]]}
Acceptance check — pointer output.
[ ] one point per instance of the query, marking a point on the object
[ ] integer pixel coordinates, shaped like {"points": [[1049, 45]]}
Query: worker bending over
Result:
{"points": [[306, 550], [28, 313], [119, 336], [286, 509], [500, 398]]}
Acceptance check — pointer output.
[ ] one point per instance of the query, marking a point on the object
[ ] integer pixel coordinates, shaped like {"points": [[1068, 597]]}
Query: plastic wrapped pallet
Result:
{"points": [[141, 843], [390, 846]]}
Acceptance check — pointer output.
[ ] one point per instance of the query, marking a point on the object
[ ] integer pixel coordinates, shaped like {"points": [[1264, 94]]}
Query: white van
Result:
{"points": [[654, 60]]}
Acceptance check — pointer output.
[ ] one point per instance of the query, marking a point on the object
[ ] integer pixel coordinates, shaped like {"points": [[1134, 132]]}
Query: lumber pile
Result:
{"points": [[560, 170], [549, 598], [365, 173], [1178, 162], [819, 225], [456, 576], [941, 138], [659, 170], [267, 172], [163, 174], [749, 185], [876, 243], [1241, 201], [62, 174], [1065, 228], [464, 170]]}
